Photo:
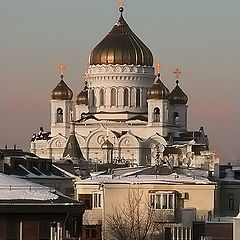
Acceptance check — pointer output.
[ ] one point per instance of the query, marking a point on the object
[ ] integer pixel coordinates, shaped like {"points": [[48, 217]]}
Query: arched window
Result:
{"points": [[101, 99], [126, 97], [138, 97], [113, 97], [156, 115], [93, 98], [59, 115], [176, 118]]}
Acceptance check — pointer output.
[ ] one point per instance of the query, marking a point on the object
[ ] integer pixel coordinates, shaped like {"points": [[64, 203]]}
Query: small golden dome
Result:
{"points": [[121, 46], [158, 90], [177, 96], [82, 97], [107, 145], [62, 91]]}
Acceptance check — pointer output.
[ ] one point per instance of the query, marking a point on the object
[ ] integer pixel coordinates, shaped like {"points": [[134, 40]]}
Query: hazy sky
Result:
{"points": [[201, 37]]}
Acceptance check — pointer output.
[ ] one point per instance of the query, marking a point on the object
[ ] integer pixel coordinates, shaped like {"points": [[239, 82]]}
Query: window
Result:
{"points": [[91, 232], [12, 229], [126, 98], [44, 230], [176, 118], [59, 115], [162, 200], [138, 98], [93, 98], [231, 202], [86, 199], [96, 200], [101, 97], [99, 200], [113, 97], [156, 114], [168, 233]]}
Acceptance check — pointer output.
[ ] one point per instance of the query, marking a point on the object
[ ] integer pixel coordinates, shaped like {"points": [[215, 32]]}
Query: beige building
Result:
{"points": [[177, 200]]}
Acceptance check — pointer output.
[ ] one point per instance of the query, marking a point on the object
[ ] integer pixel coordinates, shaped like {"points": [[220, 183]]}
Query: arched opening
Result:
{"points": [[101, 96], [59, 115], [113, 97], [156, 115], [176, 118], [126, 97], [138, 97], [93, 98]]}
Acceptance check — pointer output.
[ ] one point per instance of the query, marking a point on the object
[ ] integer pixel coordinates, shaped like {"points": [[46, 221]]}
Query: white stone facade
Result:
{"points": [[135, 126]]}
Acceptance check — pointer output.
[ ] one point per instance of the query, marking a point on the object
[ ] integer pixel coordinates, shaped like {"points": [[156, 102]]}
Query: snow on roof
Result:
{"points": [[147, 179], [12, 188]]}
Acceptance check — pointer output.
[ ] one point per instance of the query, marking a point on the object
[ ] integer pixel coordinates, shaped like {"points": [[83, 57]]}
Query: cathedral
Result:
{"points": [[125, 114]]}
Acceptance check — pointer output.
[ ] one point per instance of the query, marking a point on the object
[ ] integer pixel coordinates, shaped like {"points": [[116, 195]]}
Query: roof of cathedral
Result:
{"points": [[158, 90], [62, 91], [72, 149], [121, 46], [177, 96]]}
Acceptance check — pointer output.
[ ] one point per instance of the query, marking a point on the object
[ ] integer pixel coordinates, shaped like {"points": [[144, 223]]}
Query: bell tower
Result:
{"points": [[158, 104], [61, 106]]}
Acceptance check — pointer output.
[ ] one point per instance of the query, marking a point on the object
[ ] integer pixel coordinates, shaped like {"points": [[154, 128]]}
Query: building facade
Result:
{"points": [[176, 200]]}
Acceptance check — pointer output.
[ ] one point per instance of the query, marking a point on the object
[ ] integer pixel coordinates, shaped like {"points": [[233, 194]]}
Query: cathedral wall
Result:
{"points": [[119, 88]]}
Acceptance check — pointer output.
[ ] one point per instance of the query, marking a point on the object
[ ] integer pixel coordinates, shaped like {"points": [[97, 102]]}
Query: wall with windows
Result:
{"points": [[166, 200], [229, 199], [177, 116], [119, 88]]}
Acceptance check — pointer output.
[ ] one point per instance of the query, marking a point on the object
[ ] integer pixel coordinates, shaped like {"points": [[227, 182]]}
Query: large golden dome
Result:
{"points": [[121, 46]]}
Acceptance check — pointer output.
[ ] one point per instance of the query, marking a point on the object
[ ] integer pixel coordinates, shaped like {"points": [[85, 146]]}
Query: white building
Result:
{"points": [[125, 114]]}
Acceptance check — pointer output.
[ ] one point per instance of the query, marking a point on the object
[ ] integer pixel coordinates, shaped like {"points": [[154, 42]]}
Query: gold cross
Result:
{"points": [[158, 65], [61, 67], [85, 74], [121, 3], [177, 73]]}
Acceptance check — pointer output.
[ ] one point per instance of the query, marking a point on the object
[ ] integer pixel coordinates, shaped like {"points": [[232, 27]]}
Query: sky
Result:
{"points": [[199, 37]]}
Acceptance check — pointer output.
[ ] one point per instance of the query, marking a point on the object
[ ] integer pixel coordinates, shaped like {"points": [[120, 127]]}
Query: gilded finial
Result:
{"points": [[85, 74], [61, 67], [158, 65], [85, 78], [177, 73], [121, 6]]}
